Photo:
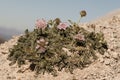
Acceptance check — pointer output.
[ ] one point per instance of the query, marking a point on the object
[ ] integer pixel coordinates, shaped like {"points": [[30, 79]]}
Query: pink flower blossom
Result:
{"points": [[37, 47], [79, 37], [41, 40], [40, 48], [40, 24], [62, 26], [41, 43]]}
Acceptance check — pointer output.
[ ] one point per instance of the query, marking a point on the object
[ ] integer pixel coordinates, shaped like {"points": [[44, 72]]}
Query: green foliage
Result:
{"points": [[50, 56]]}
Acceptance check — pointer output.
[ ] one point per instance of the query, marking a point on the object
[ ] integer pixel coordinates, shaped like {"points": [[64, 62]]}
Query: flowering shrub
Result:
{"points": [[50, 49]]}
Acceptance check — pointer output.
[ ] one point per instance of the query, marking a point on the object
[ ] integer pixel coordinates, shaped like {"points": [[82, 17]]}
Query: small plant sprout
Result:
{"points": [[93, 27]]}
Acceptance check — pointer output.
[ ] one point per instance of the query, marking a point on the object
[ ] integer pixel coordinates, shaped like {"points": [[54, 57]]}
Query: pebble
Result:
{"points": [[107, 61], [106, 54], [115, 55], [101, 60]]}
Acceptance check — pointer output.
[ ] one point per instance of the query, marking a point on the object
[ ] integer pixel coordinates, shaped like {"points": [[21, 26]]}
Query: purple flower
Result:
{"points": [[40, 24], [79, 37], [62, 25]]}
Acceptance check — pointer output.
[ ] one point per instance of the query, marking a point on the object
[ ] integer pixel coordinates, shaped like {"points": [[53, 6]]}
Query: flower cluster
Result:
{"points": [[40, 24], [79, 37], [41, 43], [62, 26]]}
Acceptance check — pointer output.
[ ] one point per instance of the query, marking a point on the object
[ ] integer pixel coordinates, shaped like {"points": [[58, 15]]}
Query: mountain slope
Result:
{"points": [[108, 17], [1, 40], [7, 33]]}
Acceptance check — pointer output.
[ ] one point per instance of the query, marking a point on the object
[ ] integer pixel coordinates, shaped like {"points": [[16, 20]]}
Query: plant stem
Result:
{"points": [[41, 31], [79, 19]]}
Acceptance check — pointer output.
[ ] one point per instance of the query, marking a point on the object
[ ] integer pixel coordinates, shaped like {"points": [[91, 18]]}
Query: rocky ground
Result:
{"points": [[107, 67]]}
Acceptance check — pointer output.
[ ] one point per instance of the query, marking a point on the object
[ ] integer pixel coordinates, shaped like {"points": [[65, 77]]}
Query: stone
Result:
{"points": [[115, 55], [101, 60], [107, 61]]}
